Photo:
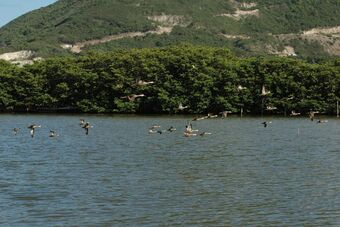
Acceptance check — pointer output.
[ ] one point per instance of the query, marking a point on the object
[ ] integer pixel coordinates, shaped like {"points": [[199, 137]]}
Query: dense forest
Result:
{"points": [[206, 79]]}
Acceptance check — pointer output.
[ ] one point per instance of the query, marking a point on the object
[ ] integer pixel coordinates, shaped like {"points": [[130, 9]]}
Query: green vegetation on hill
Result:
{"points": [[204, 78], [71, 21], [290, 16]]}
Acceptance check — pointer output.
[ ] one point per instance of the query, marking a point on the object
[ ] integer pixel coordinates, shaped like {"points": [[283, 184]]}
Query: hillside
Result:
{"points": [[306, 28]]}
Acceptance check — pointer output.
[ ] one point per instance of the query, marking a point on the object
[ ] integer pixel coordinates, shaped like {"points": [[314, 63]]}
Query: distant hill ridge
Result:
{"points": [[305, 28]]}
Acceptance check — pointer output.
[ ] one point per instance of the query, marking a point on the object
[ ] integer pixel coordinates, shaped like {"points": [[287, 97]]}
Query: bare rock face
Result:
{"points": [[18, 56], [239, 14], [328, 38], [287, 51], [168, 20], [242, 10]]}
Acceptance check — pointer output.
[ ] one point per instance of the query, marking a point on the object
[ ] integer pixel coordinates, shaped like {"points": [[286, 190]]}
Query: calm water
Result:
{"points": [[243, 174]]}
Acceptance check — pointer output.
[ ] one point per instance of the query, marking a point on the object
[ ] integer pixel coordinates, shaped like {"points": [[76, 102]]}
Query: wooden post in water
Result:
{"points": [[262, 107], [337, 108], [241, 111]]}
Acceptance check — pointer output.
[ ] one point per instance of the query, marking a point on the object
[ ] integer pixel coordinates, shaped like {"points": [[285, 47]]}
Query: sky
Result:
{"points": [[11, 9]]}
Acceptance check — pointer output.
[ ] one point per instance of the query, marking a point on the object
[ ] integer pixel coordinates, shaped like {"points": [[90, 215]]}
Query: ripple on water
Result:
{"points": [[120, 175]]}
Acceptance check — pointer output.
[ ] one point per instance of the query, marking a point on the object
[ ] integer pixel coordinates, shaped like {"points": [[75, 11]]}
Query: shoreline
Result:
{"points": [[169, 115]]}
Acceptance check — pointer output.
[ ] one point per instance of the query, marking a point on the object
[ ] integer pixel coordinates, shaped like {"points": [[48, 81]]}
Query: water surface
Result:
{"points": [[120, 175]]}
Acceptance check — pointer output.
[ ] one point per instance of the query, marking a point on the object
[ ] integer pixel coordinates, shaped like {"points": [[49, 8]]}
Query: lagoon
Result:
{"points": [[243, 174]]}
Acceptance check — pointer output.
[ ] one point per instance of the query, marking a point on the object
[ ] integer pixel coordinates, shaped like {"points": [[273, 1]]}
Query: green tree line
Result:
{"points": [[206, 79]]}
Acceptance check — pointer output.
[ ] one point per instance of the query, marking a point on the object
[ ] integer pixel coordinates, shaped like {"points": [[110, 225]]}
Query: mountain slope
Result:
{"points": [[247, 27]]}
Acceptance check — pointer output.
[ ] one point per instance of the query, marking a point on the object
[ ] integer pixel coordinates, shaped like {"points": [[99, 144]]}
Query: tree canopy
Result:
{"points": [[206, 79]]}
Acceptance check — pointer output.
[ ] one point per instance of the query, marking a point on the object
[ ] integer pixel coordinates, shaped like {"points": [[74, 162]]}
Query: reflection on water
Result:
{"points": [[241, 175]]}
